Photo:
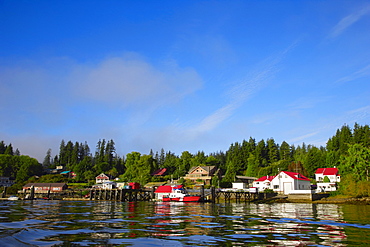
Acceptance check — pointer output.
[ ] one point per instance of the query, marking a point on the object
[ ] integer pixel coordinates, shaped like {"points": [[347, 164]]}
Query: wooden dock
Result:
{"points": [[132, 195]]}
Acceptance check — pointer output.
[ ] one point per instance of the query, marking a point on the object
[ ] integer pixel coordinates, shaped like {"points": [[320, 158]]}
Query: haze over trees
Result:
{"points": [[348, 149]]}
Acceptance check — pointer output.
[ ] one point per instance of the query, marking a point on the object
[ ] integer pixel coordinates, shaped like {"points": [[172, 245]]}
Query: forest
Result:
{"points": [[348, 150]]}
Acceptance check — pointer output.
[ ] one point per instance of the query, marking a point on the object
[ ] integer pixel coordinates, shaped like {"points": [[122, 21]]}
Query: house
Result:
{"points": [[101, 178], [45, 187], [204, 173], [6, 181], [58, 169], [284, 183], [108, 185], [327, 179], [263, 183], [242, 182], [160, 172], [291, 182]]}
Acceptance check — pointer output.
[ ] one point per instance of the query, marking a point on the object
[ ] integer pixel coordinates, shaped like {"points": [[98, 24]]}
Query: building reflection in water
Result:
{"points": [[292, 223]]}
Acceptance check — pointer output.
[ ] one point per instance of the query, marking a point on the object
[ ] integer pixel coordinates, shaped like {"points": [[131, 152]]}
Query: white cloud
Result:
{"points": [[240, 93], [364, 72], [348, 21], [303, 137], [130, 80]]}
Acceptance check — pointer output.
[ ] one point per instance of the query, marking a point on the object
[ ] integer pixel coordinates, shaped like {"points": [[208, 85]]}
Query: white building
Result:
{"points": [[101, 178], [263, 183], [284, 183], [327, 179], [291, 183]]}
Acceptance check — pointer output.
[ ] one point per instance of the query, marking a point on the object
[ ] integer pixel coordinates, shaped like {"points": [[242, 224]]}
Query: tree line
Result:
{"points": [[348, 150]]}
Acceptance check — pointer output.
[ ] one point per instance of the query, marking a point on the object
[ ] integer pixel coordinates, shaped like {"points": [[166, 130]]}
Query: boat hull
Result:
{"points": [[182, 199]]}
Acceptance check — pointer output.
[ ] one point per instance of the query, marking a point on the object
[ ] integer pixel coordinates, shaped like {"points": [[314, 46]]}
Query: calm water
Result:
{"points": [[87, 223]]}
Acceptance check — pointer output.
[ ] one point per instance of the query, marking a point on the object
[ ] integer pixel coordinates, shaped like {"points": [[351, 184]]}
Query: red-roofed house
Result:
{"points": [[329, 184], [291, 182], [101, 178], [285, 183], [160, 172], [263, 183]]}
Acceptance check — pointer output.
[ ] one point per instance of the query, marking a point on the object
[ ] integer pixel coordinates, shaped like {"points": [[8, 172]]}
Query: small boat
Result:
{"points": [[176, 194], [13, 198]]}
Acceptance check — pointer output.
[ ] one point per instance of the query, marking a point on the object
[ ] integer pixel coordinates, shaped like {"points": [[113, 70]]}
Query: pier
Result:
{"points": [[133, 195]]}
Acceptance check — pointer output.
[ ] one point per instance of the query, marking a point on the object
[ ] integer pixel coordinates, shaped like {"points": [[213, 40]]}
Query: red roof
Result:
{"points": [[327, 171], [159, 172], [296, 175], [264, 178], [102, 176], [167, 188]]}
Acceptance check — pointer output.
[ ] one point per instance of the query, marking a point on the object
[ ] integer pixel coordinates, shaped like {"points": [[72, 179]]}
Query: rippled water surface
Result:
{"points": [[89, 223]]}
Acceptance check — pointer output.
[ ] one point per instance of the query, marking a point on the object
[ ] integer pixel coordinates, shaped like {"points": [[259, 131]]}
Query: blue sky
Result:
{"points": [[181, 75]]}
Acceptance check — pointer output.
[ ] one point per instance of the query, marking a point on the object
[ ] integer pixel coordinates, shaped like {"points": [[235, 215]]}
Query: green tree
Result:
{"points": [[47, 160], [285, 151], [261, 153], [84, 168], [356, 162], [9, 165], [253, 166], [215, 181], [9, 150], [272, 151], [183, 164], [28, 167], [2, 147], [131, 166]]}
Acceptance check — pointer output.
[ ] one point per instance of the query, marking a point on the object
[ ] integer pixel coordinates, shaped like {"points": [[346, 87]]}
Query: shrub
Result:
{"points": [[268, 191]]}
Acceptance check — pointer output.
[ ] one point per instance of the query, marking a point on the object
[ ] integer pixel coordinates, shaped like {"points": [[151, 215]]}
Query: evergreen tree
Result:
{"points": [[314, 159], [47, 160], [2, 147], [261, 153], [253, 166], [285, 151], [272, 151], [9, 150], [356, 162], [62, 151]]}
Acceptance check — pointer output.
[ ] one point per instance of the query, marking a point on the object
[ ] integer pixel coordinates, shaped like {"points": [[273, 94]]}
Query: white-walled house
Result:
{"points": [[291, 183], [284, 183], [263, 183], [101, 178], [333, 176], [243, 182], [109, 185]]}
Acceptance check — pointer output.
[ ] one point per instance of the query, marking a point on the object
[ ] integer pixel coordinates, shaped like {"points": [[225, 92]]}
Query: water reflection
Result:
{"points": [[86, 223]]}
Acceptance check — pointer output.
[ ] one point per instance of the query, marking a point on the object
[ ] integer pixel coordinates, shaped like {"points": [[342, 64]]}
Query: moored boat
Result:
{"points": [[176, 194], [13, 198]]}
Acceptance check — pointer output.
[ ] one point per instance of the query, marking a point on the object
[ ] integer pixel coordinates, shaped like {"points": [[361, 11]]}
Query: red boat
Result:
{"points": [[176, 194]]}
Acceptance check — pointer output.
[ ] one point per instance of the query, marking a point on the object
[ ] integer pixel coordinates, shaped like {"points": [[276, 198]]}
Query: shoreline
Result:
{"points": [[328, 200]]}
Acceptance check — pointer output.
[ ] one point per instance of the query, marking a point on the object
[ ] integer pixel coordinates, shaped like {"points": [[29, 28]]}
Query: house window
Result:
{"points": [[276, 186]]}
